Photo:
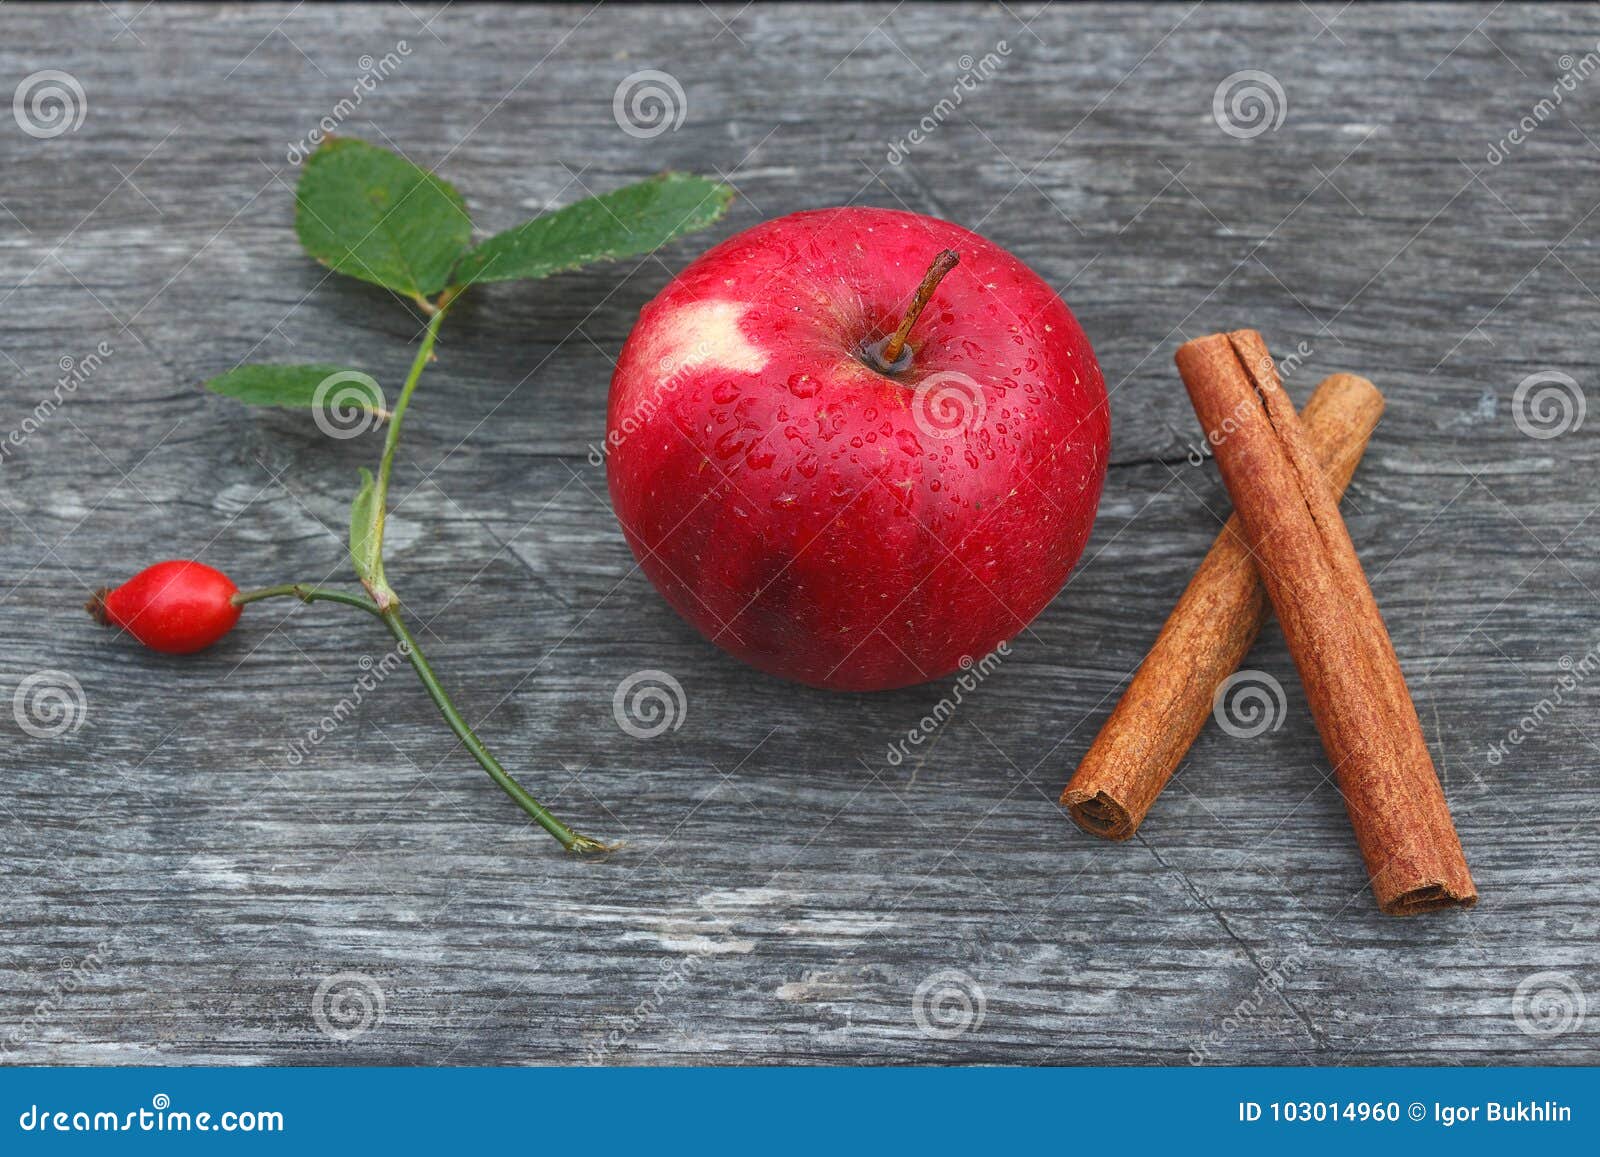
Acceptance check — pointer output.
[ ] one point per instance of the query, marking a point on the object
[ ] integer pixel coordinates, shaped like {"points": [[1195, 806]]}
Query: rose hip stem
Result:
{"points": [[1330, 620], [1204, 640], [407, 645]]}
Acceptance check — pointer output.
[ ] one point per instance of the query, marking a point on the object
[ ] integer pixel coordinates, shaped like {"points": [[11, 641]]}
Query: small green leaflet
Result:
{"points": [[366, 538], [626, 222], [317, 387], [369, 213]]}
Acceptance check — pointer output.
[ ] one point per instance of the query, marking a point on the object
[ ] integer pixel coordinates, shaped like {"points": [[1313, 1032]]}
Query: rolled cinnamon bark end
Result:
{"points": [[1098, 811], [1331, 622], [1206, 637]]}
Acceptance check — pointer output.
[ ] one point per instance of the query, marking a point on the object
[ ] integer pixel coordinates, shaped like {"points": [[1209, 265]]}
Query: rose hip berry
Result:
{"points": [[175, 607]]}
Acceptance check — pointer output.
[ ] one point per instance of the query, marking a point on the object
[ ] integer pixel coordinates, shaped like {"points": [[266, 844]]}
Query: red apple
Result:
{"points": [[829, 515]]}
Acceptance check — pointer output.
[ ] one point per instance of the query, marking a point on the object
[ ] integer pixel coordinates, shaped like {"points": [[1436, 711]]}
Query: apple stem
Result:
{"points": [[894, 348]]}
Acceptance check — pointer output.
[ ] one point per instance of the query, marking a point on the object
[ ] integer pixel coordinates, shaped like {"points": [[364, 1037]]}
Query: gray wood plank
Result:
{"points": [[176, 890]]}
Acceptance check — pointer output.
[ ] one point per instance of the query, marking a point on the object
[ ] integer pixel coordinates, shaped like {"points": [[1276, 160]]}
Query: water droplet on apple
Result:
{"points": [[724, 392], [802, 385], [908, 442]]}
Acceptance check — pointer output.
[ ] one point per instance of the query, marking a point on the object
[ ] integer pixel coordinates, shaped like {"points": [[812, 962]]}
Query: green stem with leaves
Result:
{"points": [[407, 645], [372, 505], [369, 213]]}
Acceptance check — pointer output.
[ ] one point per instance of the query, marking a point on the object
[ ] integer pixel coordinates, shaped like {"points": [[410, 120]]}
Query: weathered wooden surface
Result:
{"points": [[176, 889]]}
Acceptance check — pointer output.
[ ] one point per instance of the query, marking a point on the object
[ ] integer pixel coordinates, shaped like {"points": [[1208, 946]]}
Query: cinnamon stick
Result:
{"points": [[1330, 620], [1205, 638]]}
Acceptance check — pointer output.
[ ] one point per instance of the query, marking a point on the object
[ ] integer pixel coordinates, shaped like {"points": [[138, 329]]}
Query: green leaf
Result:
{"points": [[627, 222], [366, 536], [302, 387], [369, 213]]}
